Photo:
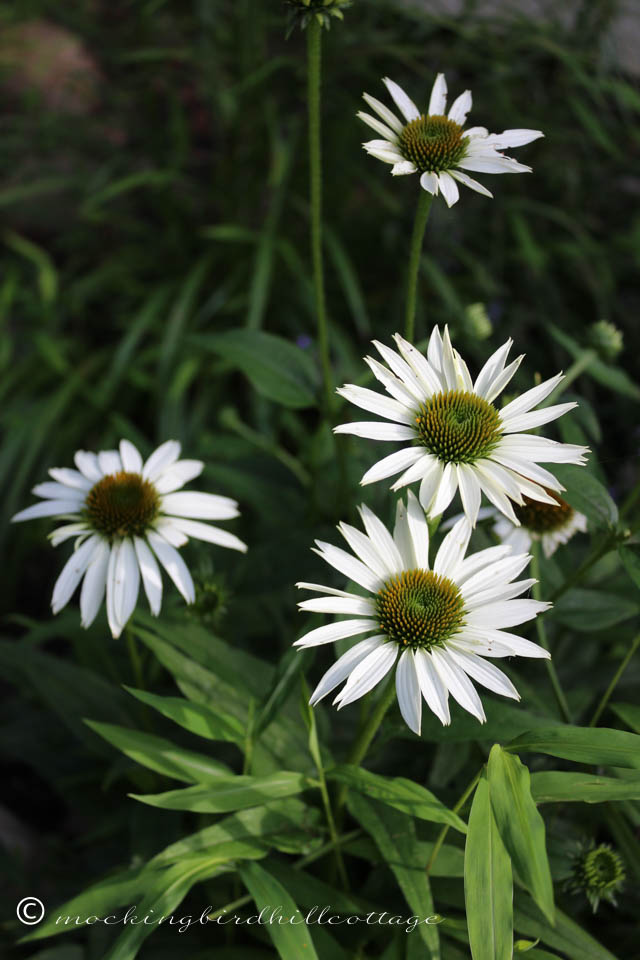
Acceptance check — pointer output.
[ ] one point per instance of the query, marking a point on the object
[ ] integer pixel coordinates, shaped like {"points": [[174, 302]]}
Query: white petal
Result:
{"points": [[485, 673], [365, 550], [429, 378], [492, 368], [526, 467], [60, 534], [541, 448], [429, 182], [114, 624], [368, 673], [391, 383], [130, 456], [452, 549], [430, 483], [127, 582], [497, 164], [535, 418], [160, 459], [204, 531], [445, 492], [173, 564], [376, 403], [94, 584], [477, 561], [165, 526], [513, 138], [403, 168], [433, 689], [531, 398], [178, 474], [371, 430], [473, 132], [496, 387], [394, 463], [87, 464], [470, 492], [427, 464], [59, 491], [508, 613], [402, 370], [406, 106], [496, 495], [343, 667], [449, 361], [418, 531], [408, 692], [151, 576], [501, 591], [518, 646], [356, 607], [448, 188], [377, 125], [384, 113], [500, 478], [352, 569], [49, 508], [402, 537], [72, 573], [460, 108], [109, 462], [494, 574], [438, 99], [71, 478], [320, 588], [459, 685], [381, 539], [387, 156], [471, 183], [335, 631], [199, 506], [434, 351]]}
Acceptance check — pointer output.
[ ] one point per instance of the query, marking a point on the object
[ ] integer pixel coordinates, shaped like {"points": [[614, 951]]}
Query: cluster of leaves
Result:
{"points": [[153, 284]]}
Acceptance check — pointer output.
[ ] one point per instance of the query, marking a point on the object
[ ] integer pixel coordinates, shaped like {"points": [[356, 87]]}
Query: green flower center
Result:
{"points": [[543, 517], [419, 609], [122, 505], [433, 143], [458, 427], [602, 869]]}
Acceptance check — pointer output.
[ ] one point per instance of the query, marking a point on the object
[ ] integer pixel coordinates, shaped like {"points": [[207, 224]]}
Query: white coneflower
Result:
{"points": [[436, 623], [454, 435], [126, 516], [436, 146], [551, 525]]}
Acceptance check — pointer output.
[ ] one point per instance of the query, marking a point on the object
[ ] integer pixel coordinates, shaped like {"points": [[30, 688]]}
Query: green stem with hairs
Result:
{"points": [[419, 227], [314, 65], [542, 635], [635, 643]]}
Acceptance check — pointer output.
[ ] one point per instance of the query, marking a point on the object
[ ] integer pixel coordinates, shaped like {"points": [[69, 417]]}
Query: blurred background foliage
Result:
{"points": [[153, 194]]}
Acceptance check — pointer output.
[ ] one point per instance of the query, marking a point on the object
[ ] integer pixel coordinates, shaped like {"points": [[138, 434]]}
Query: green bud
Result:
{"points": [[302, 12], [606, 339], [598, 872], [477, 321]]}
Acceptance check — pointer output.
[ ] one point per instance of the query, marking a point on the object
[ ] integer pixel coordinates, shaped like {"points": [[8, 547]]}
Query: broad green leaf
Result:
{"points": [[197, 718], [586, 494], [398, 792], [278, 369], [557, 787], [588, 610], [448, 863], [599, 746], [310, 891], [631, 562], [291, 940], [521, 826], [395, 836], [628, 712], [228, 793], [565, 935], [488, 883], [162, 755]]}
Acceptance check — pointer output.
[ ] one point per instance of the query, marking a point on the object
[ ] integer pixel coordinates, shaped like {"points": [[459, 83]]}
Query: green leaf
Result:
{"points": [[557, 787], [612, 377], [398, 792], [629, 713], [228, 793], [488, 883], [631, 562], [276, 368], [395, 837], [292, 941], [599, 746], [588, 610], [197, 718], [586, 494], [521, 826], [162, 755], [566, 935]]}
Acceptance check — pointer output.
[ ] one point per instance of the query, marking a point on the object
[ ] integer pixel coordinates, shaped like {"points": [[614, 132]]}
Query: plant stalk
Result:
{"points": [[542, 635], [635, 643], [419, 227]]}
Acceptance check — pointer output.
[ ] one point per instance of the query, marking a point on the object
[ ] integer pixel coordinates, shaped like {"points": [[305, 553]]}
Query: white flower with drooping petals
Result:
{"points": [[436, 145], [437, 624], [125, 516], [454, 435], [551, 525]]}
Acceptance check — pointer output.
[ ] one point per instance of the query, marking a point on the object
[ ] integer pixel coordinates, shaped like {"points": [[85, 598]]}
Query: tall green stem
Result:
{"points": [[419, 226], [314, 68], [635, 643], [542, 635], [367, 733]]}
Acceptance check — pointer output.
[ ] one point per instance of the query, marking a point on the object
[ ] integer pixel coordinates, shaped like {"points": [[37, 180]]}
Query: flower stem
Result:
{"points": [[542, 635], [597, 553], [635, 643], [419, 226], [459, 805], [314, 61]]}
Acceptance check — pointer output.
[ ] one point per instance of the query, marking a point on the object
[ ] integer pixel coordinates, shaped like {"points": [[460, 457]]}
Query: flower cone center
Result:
{"points": [[458, 427], [122, 504], [419, 608], [602, 869], [543, 517], [433, 143]]}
